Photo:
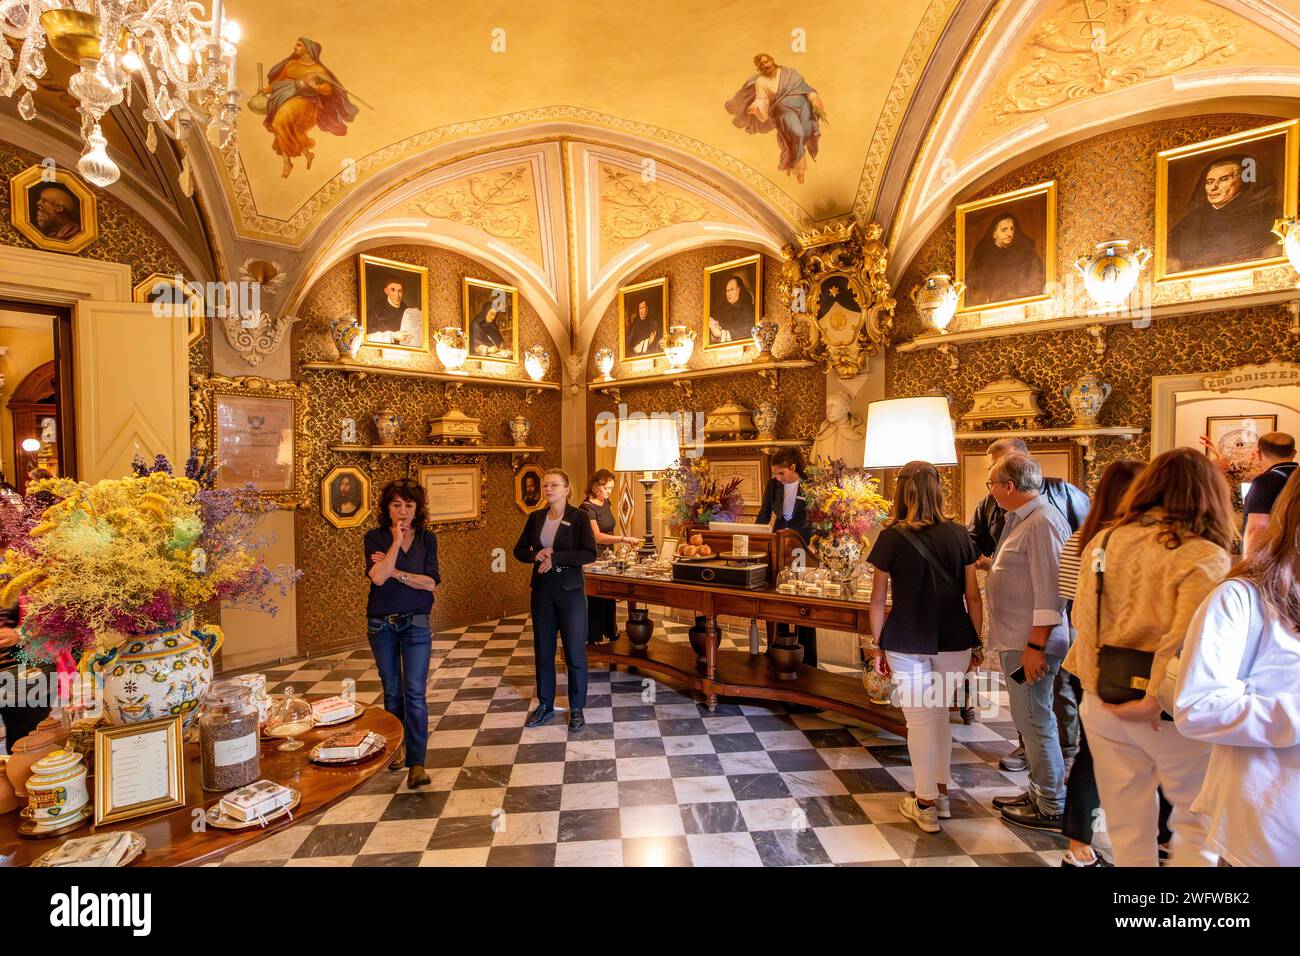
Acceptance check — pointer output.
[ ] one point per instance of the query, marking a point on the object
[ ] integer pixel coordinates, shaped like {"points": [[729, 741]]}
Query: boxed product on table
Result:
{"points": [[256, 800], [331, 709]]}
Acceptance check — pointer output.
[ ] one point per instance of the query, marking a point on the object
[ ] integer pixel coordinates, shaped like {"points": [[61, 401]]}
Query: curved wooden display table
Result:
{"points": [[738, 673], [172, 838]]}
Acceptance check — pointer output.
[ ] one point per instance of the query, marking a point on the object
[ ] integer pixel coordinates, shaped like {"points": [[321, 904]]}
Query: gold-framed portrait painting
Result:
{"points": [[733, 301], [345, 497], [172, 295], [490, 317], [1006, 248], [1216, 201], [53, 208], [394, 304], [642, 320], [528, 488]]}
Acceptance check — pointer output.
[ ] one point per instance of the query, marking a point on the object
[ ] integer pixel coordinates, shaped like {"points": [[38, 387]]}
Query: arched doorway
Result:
{"points": [[34, 408]]}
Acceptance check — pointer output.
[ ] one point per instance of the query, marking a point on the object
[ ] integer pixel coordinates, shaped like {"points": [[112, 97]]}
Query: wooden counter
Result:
{"points": [[175, 838], [739, 673]]}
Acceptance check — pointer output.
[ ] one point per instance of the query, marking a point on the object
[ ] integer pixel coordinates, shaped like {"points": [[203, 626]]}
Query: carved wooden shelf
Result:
{"points": [[357, 372], [1096, 322], [768, 371], [1084, 436], [440, 449], [757, 443]]}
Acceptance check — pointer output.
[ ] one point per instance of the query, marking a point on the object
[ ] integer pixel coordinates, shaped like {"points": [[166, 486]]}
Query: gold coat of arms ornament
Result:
{"points": [[847, 311]]}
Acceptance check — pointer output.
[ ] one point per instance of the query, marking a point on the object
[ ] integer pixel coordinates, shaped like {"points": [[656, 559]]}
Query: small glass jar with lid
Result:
{"points": [[289, 717], [229, 748]]}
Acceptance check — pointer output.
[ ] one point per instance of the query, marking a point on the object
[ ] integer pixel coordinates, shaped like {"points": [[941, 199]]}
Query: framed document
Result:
{"points": [[667, 549], [1057, 459], [248, 426], [456, 492], [139, 770]]}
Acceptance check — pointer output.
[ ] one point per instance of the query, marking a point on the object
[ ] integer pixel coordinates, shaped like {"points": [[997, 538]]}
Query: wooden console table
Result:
{"points": [[173, 839], [739, 673]]}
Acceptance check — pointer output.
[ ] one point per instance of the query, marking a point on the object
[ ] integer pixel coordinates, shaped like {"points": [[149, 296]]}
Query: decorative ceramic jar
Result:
{"points": [[838, 557], [346, 334], [519, 427], [261, 700], [765, 331], [936, 299], [451, 345], [56, 790], [765, 418], [678, 346], [45, 738], [605, 363], [162, 674], [1110, 273], [387, 425], [537, 362], [1086, 396]]}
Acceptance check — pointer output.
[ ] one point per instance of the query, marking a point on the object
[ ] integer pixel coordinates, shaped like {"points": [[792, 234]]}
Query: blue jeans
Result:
{"points": [[1031, 709], [402, 657]]}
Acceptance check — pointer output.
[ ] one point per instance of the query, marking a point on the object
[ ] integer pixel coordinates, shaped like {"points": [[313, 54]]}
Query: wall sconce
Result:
{"points": [[605, 364], [452, 347], [537, 362], [1289, 237], [1111, 272], [936, 299], [678, 346]]}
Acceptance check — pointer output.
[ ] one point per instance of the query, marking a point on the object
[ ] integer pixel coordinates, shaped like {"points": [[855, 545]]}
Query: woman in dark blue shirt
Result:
{"points": [[402, 564]]}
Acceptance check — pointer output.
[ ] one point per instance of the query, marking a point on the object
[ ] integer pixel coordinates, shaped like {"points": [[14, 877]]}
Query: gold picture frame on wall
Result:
{"points": [[733, 301], [1217, 200], [1058, 460], [248, 425], [153, 778], [456, 489], [528, 488], [345, 497], [642, 320], [490, 318], [1006, 248], [54, 209], [173, 295], [393, 304]]}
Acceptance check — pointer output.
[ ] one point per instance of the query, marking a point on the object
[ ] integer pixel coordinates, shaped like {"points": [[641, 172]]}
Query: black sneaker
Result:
{"points": [[576, 720], [1021, 799], [1015, 761], [539, 716], [1033, 818]]}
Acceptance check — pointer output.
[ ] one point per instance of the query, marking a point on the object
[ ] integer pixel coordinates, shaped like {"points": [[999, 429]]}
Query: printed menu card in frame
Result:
{"points": [[247, 425], [139, 769]]}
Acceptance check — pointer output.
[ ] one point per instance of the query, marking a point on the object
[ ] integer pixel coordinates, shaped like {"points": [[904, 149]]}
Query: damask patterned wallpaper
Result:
{"points": [[802, 392], [332, 593], [1106, 187]]}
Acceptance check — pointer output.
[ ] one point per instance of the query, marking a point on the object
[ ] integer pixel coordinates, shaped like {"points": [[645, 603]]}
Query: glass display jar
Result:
{"points": [[229, 749], [289, 717]]}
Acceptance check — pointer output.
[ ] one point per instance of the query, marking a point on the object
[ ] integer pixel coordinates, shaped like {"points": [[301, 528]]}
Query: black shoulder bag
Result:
{"points": [[1123, 673]]}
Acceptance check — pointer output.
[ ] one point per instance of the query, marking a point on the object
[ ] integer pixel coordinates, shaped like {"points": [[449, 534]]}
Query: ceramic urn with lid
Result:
{"points": [[56, 790]]}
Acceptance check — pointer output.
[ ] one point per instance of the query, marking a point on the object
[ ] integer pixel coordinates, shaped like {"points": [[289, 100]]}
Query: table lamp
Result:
{"points": [[647, 445], [900, 430]]}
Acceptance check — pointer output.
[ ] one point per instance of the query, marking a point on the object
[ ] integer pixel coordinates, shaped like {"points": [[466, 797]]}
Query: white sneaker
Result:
{"points": [[943, 806], [927, 818]]}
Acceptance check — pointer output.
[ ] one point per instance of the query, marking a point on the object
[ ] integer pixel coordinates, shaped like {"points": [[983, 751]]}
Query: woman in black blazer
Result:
{"points": [[787, 473], [557, 540]]}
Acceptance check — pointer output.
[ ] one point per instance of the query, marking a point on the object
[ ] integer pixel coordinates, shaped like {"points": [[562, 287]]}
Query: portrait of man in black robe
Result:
{"points": [[1003, 264], [1227, 214]]}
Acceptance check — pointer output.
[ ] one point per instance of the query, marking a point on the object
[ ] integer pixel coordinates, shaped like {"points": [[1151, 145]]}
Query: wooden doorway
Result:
{"points": [[42, 406]]}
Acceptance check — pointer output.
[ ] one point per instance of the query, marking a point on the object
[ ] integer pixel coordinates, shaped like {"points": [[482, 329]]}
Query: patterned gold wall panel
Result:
{"points": [[332, 593]]}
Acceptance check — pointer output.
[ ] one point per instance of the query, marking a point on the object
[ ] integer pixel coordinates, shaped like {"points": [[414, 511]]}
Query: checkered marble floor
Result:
{"points": [[654, 779]]}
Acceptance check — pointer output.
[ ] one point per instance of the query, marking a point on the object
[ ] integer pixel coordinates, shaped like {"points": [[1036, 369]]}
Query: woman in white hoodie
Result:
{"points": [[1239, 689]]}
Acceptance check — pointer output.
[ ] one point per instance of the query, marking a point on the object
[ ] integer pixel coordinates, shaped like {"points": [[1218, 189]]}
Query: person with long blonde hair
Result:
{"points": [[1239, 691]]}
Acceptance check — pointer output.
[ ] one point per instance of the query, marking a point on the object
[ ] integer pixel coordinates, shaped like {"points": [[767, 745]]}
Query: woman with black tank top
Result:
{"points": [[932, 636], [601, 620]]}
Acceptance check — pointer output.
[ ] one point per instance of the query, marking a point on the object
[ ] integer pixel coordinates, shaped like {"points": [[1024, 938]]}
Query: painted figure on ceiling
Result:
{"points": [[303, 93], [777, 98], [1229, 217]]}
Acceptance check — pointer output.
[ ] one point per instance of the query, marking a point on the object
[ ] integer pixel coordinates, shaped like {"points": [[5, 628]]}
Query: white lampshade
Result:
{"points": [[900, 430], [646, 444]]}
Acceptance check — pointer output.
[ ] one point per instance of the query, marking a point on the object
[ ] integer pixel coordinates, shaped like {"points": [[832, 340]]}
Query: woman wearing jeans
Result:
{"points": [[402, 564], [932, 636]]}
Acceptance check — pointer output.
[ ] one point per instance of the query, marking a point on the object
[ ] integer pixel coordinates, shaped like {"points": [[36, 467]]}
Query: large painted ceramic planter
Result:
{"points": [[838, 556], [163, 674]]}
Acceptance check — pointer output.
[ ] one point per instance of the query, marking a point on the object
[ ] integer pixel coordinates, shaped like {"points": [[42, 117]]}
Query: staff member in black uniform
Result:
{"points": [[781, 498], [601, 620], [558, 540], [402, 564]]}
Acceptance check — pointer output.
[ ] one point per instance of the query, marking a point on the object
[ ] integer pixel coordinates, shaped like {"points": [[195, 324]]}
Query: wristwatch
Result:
{"points": [[1037, 647], [401, 576]]}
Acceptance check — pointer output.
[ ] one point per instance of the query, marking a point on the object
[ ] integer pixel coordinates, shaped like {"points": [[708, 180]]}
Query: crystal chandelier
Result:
{"points": [[185, 66]]}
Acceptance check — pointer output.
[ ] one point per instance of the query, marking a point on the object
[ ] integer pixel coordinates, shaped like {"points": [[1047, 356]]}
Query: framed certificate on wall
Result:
{"points": [[456, 492]]}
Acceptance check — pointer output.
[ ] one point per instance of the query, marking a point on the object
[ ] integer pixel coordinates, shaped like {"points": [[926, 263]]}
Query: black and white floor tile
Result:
{"points": [[654, 779]]}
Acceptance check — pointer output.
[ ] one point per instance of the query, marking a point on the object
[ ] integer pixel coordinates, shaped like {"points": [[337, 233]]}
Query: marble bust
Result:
{"points": [[842, 435]]}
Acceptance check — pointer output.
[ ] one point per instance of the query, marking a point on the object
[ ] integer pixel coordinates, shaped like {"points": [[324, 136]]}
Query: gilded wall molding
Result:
{"points": [[255, 337]]}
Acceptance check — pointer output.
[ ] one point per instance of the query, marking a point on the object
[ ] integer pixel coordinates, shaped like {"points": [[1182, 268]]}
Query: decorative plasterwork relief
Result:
{"points": [[1097, 46], [255, 336], [635, 204], [502, 202]]}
